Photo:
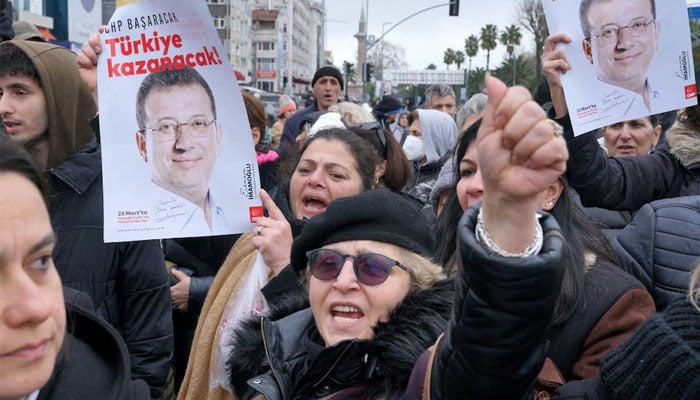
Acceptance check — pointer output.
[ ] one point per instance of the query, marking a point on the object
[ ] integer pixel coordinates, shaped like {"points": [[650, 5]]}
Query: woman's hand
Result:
{"points": [[520, 155], [555, 63], [273, 236]]}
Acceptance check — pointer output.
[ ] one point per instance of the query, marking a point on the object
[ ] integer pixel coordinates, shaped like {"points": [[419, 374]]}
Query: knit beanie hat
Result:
{"points": [[328, 70], [388, 105], [378, 215], [286, 104], [661, 360]]}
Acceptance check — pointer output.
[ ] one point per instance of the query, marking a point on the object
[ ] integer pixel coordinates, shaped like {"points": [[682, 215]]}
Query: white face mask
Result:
{"points": [[413, 148]]}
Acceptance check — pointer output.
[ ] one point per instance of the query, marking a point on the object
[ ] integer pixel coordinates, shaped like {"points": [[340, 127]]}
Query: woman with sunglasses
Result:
{"points": [[378, 304], [332, 164]]}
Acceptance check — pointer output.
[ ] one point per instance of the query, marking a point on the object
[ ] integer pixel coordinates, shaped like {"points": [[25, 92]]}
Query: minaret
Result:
{"points": [[361, 36]]}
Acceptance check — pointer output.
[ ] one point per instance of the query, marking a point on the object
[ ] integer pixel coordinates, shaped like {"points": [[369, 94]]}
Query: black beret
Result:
{"points": [[379, 215], [328, 70]]}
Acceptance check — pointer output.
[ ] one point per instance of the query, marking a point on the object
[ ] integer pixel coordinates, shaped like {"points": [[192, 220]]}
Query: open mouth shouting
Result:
{"points": [[313, 205]]}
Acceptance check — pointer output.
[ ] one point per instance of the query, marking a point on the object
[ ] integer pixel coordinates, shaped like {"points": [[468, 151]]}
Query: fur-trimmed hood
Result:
{"points": [[413, 326], [684, 144]]}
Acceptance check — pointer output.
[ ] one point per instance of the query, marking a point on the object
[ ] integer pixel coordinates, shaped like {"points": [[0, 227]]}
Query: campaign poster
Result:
{"points": [[177, 152], [629, 59]]}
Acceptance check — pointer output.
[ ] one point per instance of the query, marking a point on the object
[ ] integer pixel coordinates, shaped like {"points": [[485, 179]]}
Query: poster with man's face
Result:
{"points": [[177, 152], [629, 58]]}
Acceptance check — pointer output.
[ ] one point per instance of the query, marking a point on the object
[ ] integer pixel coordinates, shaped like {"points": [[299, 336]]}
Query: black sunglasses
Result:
{"points": [[370, 269], [379, 129]]}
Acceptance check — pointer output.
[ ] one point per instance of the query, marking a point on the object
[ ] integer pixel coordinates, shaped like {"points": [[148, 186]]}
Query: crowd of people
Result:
{"points": [[454, 251]]}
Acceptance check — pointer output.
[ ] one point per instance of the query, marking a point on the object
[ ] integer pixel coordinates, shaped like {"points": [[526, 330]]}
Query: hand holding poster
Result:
{"points": [[628, 58], [177, 152]]}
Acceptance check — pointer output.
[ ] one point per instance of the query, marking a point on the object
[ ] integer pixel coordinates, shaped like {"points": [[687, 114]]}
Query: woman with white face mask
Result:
{"points": [[432, 136]]}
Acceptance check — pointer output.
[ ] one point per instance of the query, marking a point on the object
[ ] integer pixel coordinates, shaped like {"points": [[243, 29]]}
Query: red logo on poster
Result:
{"points": [[255, 213], [691, 91]]}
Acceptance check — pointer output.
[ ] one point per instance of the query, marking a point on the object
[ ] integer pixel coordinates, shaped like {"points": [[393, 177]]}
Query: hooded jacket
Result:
{"points": [[127, 282], [439, 138]]}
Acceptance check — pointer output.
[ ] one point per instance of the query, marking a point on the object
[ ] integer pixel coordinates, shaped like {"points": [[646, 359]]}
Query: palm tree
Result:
{"points": [[525, 68], [510, 37], [488, 38], [471, 47], [431, 66], [459, 58], [449, 57], [476, 81]]}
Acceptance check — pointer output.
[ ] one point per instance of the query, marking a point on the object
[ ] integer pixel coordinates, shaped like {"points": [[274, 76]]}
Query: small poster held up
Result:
{"points": [[177, 153], [629, 59]]}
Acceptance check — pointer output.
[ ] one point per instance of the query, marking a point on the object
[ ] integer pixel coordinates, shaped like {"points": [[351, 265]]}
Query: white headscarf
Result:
{"points": [[439, 133]]}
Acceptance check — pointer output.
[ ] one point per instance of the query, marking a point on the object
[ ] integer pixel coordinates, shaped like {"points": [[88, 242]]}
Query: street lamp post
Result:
{"points": [[381, 52]]}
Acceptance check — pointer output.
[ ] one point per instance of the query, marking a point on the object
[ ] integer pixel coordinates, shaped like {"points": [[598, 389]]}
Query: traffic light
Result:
{"points": [[369, 71], [454, 8], [349, 70]]}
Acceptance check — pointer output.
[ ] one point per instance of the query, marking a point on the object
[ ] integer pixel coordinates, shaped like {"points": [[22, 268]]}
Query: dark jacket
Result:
{"points": [[662, 245], [627, 183], [398, 361], [660, 361], [616, 305], [291, 129], [127, 282], [93, 362], [423, 178], [6, 32], [199, 257]]}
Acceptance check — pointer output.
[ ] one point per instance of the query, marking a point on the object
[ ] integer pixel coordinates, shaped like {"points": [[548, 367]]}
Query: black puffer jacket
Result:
{"points": [[627, 183], [127, 282], [661, 246]]}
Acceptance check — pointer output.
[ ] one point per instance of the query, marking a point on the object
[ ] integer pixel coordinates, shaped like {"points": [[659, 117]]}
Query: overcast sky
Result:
{"points": [[424, 37]]}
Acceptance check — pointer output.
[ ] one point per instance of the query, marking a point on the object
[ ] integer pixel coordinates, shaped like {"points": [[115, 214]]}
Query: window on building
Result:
{"points": [[266, 64], [266, 45], [219, 22]]}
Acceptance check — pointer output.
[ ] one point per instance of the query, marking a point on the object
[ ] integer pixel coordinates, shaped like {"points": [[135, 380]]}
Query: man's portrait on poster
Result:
{"points": [[179, 139], [621, 38]]}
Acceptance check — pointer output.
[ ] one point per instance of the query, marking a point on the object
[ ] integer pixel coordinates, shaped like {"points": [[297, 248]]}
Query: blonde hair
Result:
{"points": [[352, 113], [694, 289], [424, 272]]}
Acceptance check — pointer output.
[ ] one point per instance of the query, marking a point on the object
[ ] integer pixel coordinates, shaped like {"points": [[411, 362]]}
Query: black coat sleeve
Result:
{"points": [[619, 183], [495, 345], [148, 333]]}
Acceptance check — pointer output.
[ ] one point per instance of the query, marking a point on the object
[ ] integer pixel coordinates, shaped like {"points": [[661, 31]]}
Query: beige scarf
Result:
{"points": [[195, 385]]}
